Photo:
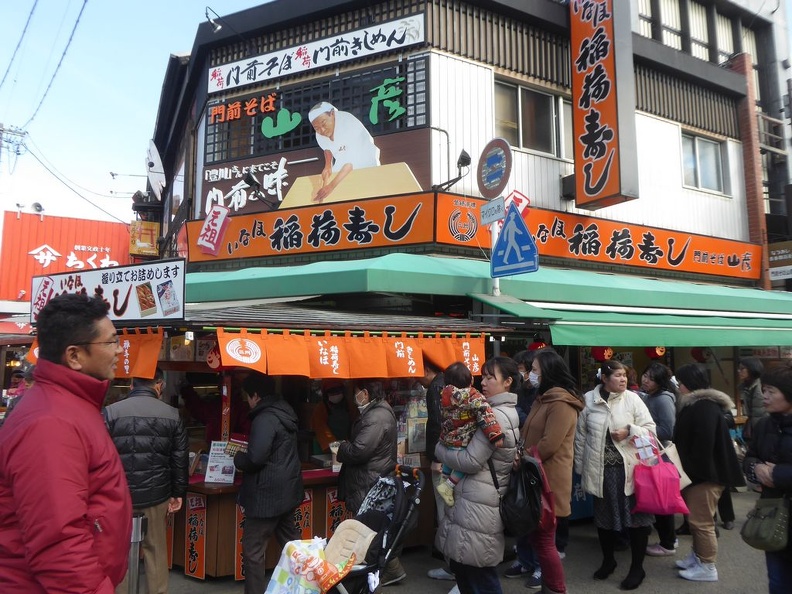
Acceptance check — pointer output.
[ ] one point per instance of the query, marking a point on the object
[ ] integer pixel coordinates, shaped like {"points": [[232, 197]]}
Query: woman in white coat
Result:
{"points": [[605, 457]]}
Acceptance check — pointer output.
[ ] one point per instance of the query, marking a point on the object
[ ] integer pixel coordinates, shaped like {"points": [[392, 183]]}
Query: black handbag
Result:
{"points": [[767, 526], [521, 504]]}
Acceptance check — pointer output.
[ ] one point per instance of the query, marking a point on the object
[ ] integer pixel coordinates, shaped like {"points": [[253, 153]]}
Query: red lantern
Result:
{"points": [[698, 354], [655, 352], [601, 354]]}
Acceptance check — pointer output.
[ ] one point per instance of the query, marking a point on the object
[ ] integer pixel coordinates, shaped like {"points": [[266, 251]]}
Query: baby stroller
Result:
{"points": [[390, 510]]}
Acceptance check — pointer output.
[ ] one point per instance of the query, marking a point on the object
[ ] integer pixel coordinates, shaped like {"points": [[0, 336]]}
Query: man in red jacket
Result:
{"points": [[65, 509]]}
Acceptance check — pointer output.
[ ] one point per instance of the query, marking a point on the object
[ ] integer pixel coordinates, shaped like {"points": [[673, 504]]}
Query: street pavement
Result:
{"points": [[740, 568]]}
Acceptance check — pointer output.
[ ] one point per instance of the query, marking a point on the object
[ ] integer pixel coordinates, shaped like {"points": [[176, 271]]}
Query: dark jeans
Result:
{"points": [[525, 554], [665, 530], [254, 546], [779, 570], [725, 506], [476, 580]]}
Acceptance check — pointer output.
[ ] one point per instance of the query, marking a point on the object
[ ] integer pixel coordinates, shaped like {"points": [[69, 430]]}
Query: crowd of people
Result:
{"points": [[66, 520]]}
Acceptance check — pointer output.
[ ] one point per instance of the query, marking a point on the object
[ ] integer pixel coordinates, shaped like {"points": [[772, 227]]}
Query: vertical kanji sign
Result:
{"points": [[603, 103]]}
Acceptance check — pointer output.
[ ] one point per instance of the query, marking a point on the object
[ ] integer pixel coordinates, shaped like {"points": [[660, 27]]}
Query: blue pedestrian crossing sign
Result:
{"points": [[515, 251]]}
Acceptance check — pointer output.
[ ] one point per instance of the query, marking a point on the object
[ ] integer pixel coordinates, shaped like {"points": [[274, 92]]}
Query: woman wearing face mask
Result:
{"points": [[333, 417], [605, 457], [370, 451], [550, 427]]}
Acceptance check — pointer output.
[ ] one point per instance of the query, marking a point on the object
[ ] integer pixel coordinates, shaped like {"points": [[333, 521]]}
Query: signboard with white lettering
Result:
{"points": [[354, 45], [780, 257], [152, 291]]}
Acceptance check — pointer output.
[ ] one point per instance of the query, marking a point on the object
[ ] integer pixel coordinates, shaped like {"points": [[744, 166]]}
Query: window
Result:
{"points": [[699, 35], [702, 163], [671, 22], [723, 33], [645, 18], [533, 120]]}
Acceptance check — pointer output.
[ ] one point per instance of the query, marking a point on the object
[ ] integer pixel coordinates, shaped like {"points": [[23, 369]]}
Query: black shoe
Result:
{"points": [[683, 530], [607, 568], [728, 525], [633, 580]]}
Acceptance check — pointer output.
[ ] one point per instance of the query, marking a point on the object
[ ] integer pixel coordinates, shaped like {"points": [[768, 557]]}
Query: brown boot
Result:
{"points": [[393, 573]]}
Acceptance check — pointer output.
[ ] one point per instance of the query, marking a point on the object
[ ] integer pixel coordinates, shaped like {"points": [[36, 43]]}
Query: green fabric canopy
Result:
{"points": [[701, 313]]}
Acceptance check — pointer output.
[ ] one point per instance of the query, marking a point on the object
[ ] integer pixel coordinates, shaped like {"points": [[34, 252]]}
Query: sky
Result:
{"points": [[99, 112]]}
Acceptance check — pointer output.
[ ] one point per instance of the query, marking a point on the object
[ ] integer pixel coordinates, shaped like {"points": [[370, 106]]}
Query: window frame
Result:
{"points": [[559, 125], [722, 163]]}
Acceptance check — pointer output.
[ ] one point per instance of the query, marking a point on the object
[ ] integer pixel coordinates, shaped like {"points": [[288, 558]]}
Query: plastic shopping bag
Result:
{"points": [[302, 569], [657, 489]]}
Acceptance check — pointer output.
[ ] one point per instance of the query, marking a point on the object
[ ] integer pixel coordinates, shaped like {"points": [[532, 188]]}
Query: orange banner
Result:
{"points": [[437, 350], [366, 356], [195, 536], [403, 355], [287, 354], [32, 355], [377, 222], [239, 562], [303, 516], [595, 109], [566, 235], [336, 511], [327, 356], [471, 351], [242, 349], [140, 353]]}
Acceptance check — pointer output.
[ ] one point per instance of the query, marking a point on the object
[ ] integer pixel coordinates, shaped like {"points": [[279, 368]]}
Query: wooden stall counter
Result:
{"points": [[207, 531]]}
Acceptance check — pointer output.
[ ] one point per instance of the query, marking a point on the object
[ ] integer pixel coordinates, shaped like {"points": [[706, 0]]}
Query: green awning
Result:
{"points": [[612, 309], [616, 329], [515, 307]]}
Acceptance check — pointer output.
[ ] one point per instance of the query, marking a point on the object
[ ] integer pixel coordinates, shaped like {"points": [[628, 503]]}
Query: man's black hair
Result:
{"points": [[68, 319], [140, 382]]}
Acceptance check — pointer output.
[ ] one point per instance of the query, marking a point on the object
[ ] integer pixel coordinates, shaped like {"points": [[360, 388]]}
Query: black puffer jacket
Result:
{"points": [[703, 441], [272, 483], [152, 442], [370, 451]]}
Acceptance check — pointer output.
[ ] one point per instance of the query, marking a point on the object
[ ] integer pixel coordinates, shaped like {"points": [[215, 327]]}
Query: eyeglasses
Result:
{"points": [[116, 341]]}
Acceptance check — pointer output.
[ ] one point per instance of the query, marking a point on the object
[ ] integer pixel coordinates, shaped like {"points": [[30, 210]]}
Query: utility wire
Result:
{"points": [[75, 191], [57, 68], [60, 174], [19, 43]]}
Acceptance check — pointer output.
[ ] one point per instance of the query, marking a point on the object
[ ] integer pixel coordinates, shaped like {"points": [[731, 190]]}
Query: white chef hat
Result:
{"points": [[319, 109]]}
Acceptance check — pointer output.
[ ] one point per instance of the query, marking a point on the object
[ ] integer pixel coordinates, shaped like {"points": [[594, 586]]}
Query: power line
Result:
{"points": [[111, 215], [19, 43], [72, 182], [57, 68]]}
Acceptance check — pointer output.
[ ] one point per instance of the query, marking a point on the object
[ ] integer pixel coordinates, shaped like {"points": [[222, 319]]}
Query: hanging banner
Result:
{"points": [[240, 349], [336, 511], [366, 356], [303, 516], [195, 536], [327, 357], [437, 350], [32, 354], [403, 356], [140, 353], [471, 352], [287, 354], [603, 103]]}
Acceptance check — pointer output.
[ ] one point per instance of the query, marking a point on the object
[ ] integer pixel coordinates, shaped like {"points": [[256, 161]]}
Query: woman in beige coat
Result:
{"points": [[605, 457]]}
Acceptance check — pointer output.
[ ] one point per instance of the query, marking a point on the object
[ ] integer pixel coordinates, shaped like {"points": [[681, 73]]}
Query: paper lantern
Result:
{"points": [[698, 353], [655, 352], [601, 354]]}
